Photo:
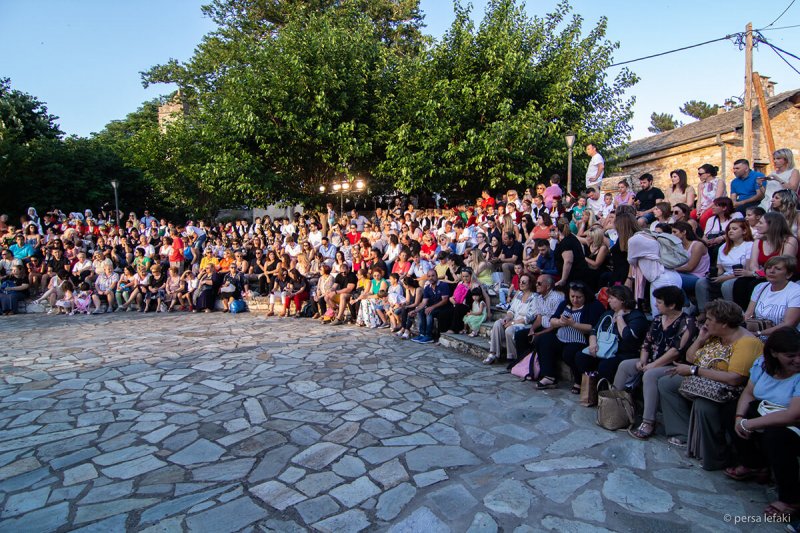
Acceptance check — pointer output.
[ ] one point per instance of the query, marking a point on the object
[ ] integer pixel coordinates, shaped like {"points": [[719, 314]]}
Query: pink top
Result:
{"points": [[550, 193]]}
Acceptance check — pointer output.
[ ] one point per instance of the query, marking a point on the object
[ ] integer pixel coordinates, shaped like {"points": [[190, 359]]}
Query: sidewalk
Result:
{"points": [[225, 423]]}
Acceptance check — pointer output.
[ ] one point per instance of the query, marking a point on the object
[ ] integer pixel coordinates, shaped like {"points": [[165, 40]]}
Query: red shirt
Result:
{"points": [[354, 238], [177, 250]]}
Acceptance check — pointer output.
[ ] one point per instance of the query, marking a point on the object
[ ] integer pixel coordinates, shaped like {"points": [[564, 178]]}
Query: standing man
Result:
{"points": [[747, 187], [597, 165], [646, 199]]}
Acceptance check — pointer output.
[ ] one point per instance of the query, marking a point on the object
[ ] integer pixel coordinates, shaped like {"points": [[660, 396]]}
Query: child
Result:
{"points": [[577, 214], [381, 306], [174, 287], [185, 297], [507, 293], [82, 299], [477, 314], [553, 191], [66, 304], [55, 291], [608, 206], [395, 298]]}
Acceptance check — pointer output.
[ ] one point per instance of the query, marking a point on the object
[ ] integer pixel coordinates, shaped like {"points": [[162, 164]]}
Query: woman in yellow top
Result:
{"points": [[721, 337], [209, 259]]}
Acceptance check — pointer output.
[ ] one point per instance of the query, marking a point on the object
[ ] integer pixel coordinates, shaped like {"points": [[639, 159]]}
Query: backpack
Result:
{"points": [[238, 306], [308, 310], [671, 250]]}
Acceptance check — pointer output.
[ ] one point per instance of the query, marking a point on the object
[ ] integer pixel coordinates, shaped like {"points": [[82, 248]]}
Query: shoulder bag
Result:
{"points": [[606, 340], [693, 387]]}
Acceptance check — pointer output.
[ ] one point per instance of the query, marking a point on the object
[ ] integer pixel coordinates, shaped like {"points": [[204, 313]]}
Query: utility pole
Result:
{"points": [[748, 93]]}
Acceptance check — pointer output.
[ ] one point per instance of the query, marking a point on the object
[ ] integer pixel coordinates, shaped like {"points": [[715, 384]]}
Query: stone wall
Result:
{"points": [[721, 151]]}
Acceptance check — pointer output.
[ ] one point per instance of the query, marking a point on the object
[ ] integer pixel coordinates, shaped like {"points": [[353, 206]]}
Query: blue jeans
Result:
{"points": [[688, 281]]}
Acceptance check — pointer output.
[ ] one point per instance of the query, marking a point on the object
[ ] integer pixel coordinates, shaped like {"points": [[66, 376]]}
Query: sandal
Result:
{"points": [[576, 389], [527, 377], [491, 358], [743, 473], [778, 509], [643, 432], [675, 441], [545, 383]]}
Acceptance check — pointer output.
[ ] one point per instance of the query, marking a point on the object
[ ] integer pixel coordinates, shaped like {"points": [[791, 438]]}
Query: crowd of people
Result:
{"points": [[646, 288]]}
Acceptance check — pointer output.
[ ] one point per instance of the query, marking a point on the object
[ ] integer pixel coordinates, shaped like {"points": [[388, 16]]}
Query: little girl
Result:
{"points": [[82, 299], [67, 303], [395, 298], [185, 296], [477, 315]]}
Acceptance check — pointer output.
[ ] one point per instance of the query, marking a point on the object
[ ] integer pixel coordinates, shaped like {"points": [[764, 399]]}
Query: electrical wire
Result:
{"points": [[782, 13], [775, 49], [672, 51], [780, 28], [778, 48]]}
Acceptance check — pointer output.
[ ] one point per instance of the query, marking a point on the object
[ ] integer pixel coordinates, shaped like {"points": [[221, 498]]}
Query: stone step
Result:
{"points": [[478, 347]]}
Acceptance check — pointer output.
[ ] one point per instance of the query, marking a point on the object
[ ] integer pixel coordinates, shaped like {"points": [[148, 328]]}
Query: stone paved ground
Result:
{"points": [[224, 423]]}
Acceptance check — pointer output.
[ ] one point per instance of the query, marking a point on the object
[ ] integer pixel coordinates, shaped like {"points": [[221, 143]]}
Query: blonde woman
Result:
{"points": [[597, 256], [784, 177]]}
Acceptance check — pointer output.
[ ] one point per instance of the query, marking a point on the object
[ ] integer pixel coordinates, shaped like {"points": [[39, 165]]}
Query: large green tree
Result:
{"points": [[661, 122], [38, 168], [489, 107]]}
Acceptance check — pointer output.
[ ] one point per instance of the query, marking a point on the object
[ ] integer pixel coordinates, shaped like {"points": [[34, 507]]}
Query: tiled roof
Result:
{"points": [[723, 123]]}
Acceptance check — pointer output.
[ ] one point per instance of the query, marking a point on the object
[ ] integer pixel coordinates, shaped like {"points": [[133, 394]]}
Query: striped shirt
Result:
{"points": [[569, 334]]}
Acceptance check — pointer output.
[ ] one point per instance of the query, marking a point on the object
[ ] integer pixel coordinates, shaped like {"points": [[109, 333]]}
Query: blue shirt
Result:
{"points": [[434, 294], [777, 391], [21, 252], [747, 187]]}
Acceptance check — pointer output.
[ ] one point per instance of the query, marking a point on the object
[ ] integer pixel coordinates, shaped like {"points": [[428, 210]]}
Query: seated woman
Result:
{"points": [[104, 287], [297, 292], [324, 285], [204, 295], [517, 317], [774, 238], [627, 324], [767, 417], [573, 321], [699, 262], [723, 352], [597, 257], [666, 342], [462, 300], [734, 253], [776, 302], [412, 298]]}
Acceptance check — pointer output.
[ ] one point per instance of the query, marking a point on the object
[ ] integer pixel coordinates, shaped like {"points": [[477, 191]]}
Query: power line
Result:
{"points": [[672, 51], [779, 54], [780, 28], [782, 13]]}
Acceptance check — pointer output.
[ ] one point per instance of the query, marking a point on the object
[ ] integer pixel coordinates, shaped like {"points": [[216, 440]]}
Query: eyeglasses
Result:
{"points": [[701, 173], [677, 212], [539, 283]]}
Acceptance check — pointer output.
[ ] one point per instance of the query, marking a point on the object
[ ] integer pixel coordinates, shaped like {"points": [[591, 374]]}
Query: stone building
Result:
{"points": [[170, 111], [716, 140]]}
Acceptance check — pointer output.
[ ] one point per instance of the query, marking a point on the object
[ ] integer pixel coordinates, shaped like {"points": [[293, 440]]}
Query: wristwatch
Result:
{"points": [[694, 370]]}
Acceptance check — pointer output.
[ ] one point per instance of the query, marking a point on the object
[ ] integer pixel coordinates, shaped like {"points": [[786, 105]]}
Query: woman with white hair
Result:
{"points": [[784, 177]]}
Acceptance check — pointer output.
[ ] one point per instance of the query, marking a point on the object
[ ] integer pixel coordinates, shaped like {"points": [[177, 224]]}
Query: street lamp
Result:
{"points": [[570, 139], [344, 186], [115, 185]]}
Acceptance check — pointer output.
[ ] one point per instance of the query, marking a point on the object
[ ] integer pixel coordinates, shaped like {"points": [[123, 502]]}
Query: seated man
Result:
{"points": [[545, 302], [343, 286], [435, 304]]}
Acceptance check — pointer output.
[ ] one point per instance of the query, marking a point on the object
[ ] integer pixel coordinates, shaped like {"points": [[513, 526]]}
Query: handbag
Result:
{"points": [[614, 408], [523, 368], [754, 325], [693, 387], [606, 340], [766, 407], [589, 389]]}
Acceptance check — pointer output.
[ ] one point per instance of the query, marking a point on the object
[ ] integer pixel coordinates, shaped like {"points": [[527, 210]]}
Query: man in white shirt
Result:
{"points": [[315, 236], [594, 174], [594, 200]]}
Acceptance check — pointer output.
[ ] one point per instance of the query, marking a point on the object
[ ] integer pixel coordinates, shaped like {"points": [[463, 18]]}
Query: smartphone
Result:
{"points": [[738, 267]]}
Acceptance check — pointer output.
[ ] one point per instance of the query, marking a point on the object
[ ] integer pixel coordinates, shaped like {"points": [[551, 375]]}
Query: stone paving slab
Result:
{"points": [[241, 423]]}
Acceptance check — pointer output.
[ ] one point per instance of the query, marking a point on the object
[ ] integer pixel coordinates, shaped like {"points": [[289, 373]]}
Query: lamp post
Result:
{"points": [[342, 187], [115, 185], [570, 139]]}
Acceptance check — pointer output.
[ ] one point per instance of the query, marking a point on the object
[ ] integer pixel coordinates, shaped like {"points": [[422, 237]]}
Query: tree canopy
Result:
{"points": [[661, 122]]}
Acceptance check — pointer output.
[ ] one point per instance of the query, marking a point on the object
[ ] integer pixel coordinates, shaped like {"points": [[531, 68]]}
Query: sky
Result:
{"points": [[83, 57]]}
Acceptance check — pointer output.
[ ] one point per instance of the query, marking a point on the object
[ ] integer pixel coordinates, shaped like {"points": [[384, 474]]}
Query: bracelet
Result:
{"points": [[741, 425]]}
